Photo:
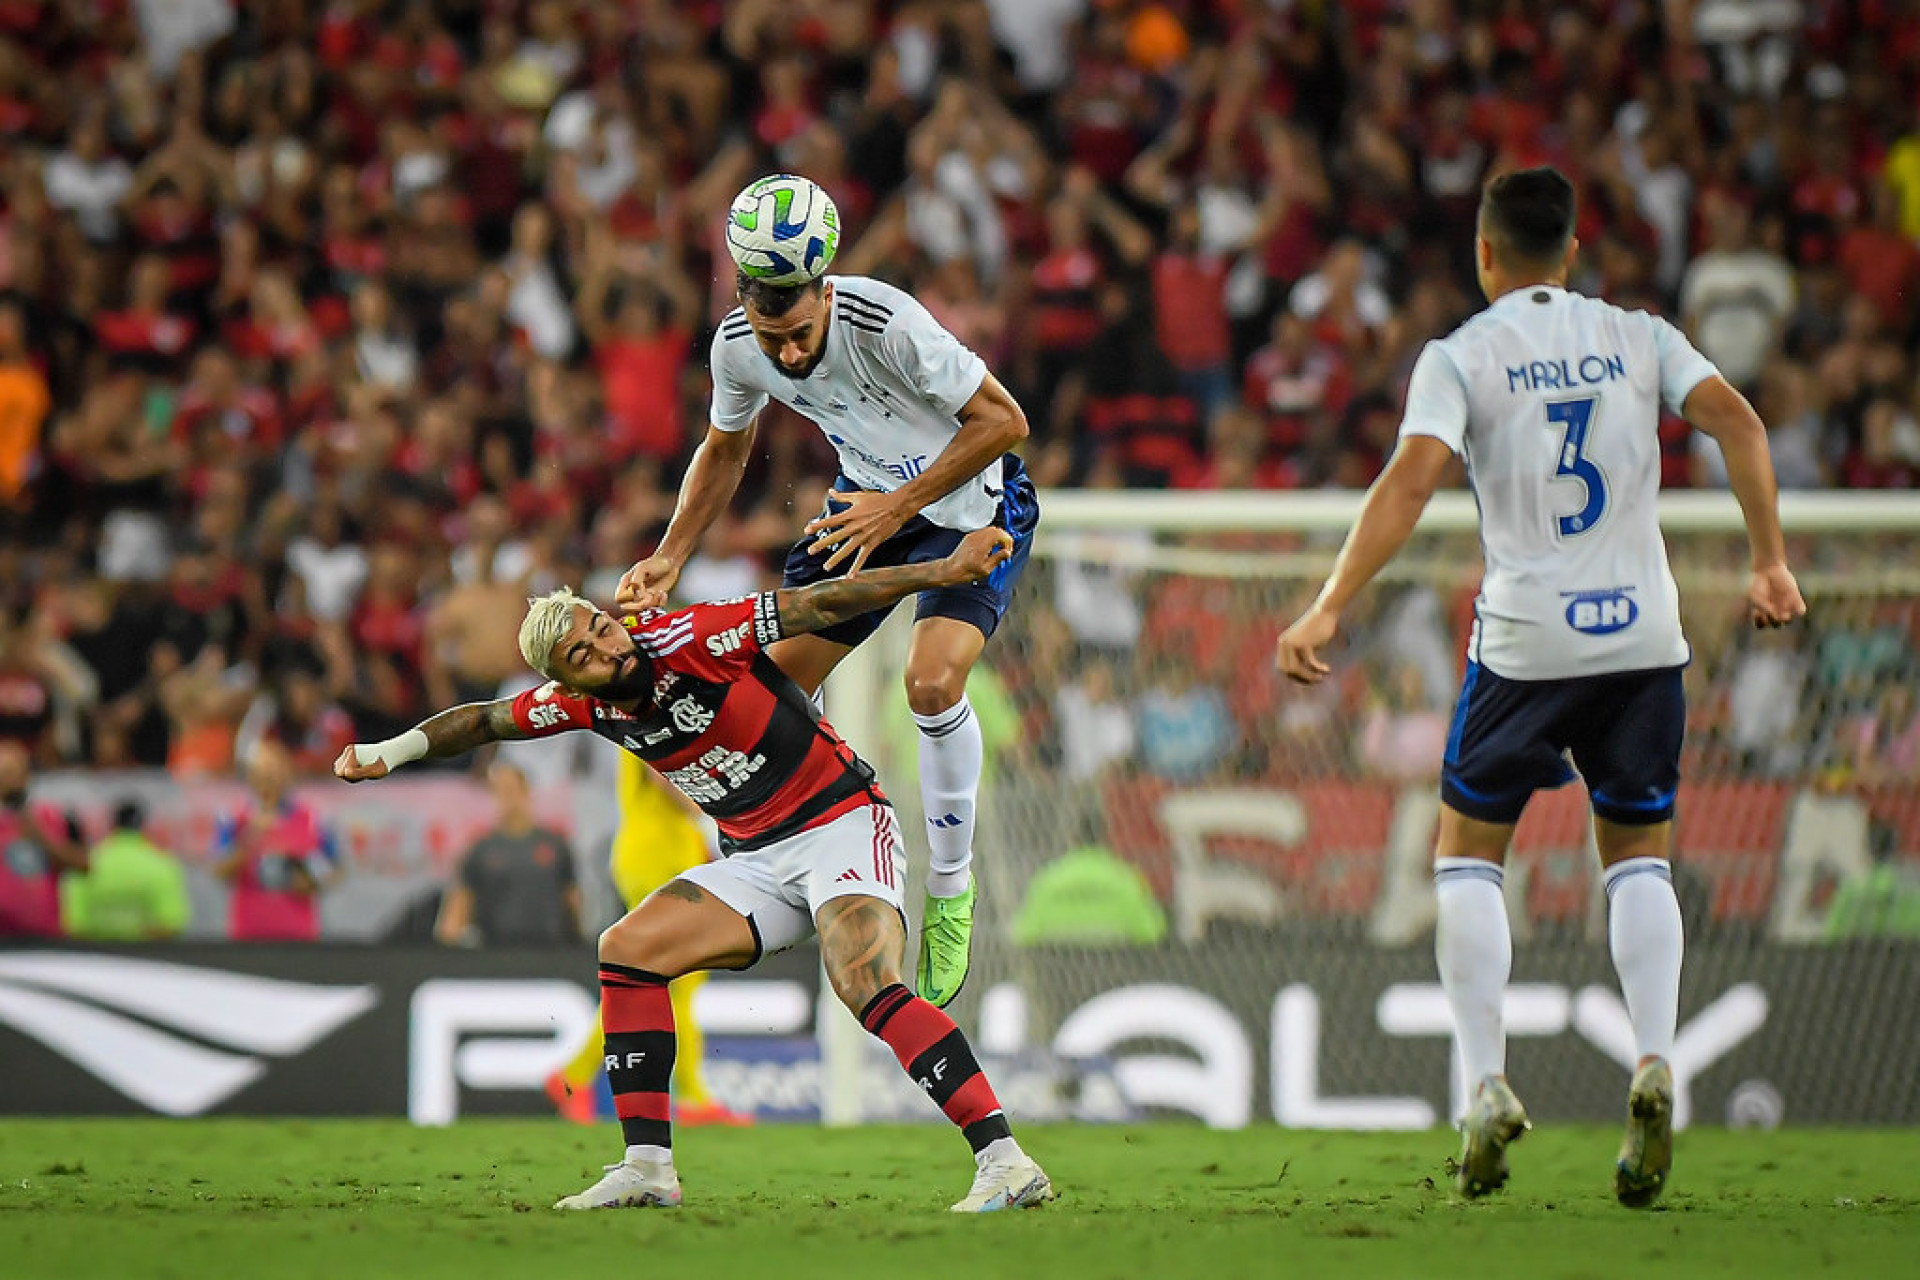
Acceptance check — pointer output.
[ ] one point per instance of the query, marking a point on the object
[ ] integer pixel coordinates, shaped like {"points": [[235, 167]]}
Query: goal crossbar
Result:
{"points": [[1452, 511]]}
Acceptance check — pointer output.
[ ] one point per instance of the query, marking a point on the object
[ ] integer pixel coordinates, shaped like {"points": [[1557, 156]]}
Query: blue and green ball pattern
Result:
{"points": [[783, 229]]}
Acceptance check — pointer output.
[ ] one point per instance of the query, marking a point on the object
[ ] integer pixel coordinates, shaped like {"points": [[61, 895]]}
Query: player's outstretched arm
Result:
{"points": [[808, 609], [1387, 518], [453, 732], [712, 477], [1718, 409]]}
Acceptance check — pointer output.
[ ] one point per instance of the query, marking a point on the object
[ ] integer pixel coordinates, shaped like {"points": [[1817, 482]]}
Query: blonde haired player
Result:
{"points": [[812, 843], [659, 836]]}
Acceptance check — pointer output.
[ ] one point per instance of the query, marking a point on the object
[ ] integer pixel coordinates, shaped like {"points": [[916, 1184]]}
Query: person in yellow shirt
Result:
{"points": [[1902, 173], [658, 837]]}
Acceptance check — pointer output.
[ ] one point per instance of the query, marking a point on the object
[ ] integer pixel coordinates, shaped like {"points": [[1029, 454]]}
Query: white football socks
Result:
{"points": [[1474, 949], [646, 1153], [951, 754], [1643, 927]]}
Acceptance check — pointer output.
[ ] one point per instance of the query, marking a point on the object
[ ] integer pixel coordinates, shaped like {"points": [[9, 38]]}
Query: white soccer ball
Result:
{"points": [[783, 229]]}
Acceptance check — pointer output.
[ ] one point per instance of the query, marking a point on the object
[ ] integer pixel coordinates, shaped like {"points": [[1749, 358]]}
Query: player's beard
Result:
{"points": [[805, 371], [633, 684]]}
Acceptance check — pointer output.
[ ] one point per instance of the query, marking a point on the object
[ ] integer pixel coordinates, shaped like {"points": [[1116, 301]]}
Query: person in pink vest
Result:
{"points": [[38, 845], [274, 855]]}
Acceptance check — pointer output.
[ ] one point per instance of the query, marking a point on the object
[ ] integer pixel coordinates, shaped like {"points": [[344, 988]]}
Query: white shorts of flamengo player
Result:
{"points": [[778, 888]]}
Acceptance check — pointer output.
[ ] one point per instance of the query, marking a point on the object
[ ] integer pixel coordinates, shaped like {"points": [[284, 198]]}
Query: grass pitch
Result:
{"points": [[208, 1200]]}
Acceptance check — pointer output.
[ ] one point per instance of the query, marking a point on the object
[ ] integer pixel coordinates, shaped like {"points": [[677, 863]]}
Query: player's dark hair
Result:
{"points": [[129, 815], [1527, 215], [772, 300]]}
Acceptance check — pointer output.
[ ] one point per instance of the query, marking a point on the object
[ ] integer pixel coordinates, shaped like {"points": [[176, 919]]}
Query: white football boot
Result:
{"points": [[1016, 1183], [1495, 1119], [631, 1184], [1646, 1154]]}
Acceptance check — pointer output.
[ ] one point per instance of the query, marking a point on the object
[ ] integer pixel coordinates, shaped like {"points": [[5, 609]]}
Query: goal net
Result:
{"points": [[1217, 885]]}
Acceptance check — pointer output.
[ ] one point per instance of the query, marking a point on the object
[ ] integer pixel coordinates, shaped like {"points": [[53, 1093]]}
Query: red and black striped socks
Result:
{"points": [[638, 1020], [937, 1056]]}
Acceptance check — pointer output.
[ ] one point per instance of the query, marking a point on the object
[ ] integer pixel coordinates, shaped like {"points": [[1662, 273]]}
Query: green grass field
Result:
{"points": [[336, 1199]]}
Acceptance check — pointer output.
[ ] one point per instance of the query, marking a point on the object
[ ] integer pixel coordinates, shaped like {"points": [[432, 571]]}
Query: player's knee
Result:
{"points": [[932, 691], [631, 942], [617, 942]]}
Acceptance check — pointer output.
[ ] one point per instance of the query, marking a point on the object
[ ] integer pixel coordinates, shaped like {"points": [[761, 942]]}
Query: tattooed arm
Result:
{"points": [[453, 732], [808, 609]]}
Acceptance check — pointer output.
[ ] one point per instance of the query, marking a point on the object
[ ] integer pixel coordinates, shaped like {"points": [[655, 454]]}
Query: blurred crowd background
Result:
{"points": [[330, 330]]}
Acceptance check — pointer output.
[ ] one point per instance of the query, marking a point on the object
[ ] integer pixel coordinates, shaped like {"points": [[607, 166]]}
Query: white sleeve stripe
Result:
{"points": [[664, 638], [662, 651], [673, 634]]}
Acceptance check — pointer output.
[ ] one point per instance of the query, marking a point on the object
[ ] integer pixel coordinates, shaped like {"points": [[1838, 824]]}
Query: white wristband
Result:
{"points": [[408, 747]]}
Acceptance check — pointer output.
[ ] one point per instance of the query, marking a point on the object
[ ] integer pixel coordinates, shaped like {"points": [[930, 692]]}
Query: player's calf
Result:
{"points": [[678, 930], [936, 1055], [639, 1057], [638, 1019], [952, 754], [864, 941]]}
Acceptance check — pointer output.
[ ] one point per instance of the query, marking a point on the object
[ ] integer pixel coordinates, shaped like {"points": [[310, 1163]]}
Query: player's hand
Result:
{"points": [[862, 522], [646, 585], [1298, 652], [1773, 598], [349, 769], [979, 554]]}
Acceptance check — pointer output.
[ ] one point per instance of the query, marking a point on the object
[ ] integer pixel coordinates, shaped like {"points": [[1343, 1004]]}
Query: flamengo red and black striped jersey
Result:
{"points": [[726, 725]]}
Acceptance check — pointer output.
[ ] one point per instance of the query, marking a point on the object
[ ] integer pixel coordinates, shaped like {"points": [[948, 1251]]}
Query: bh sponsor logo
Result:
{"points": [[1601, 613]]}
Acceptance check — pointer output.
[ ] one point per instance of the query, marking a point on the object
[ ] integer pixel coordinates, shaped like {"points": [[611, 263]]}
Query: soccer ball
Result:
{"points": [[783, 230]]}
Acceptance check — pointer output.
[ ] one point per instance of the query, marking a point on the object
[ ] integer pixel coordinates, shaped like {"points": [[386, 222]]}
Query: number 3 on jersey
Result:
{"points": [[1575, 420]]}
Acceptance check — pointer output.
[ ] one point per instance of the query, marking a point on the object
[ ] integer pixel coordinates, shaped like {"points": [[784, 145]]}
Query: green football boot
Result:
{"points": [[946, 947]]}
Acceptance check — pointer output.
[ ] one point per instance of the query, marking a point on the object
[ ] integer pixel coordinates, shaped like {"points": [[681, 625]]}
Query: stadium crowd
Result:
{"points": [[327, 331]]}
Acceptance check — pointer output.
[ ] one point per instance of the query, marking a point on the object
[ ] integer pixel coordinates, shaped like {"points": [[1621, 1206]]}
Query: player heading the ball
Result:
{"points": [[923, 431], [1552, 400], [812, 842]]}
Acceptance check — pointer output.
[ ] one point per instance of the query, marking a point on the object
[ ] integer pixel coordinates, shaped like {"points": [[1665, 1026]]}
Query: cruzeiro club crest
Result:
{"points": [[151, 1029]]}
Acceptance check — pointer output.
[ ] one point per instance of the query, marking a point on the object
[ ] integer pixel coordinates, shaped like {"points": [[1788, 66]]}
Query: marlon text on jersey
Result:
{"points": [[1563, 375]]}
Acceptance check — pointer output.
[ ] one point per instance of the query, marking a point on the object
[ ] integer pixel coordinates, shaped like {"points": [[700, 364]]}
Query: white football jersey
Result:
{"points": [[1553, 402], [887, 392]]}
